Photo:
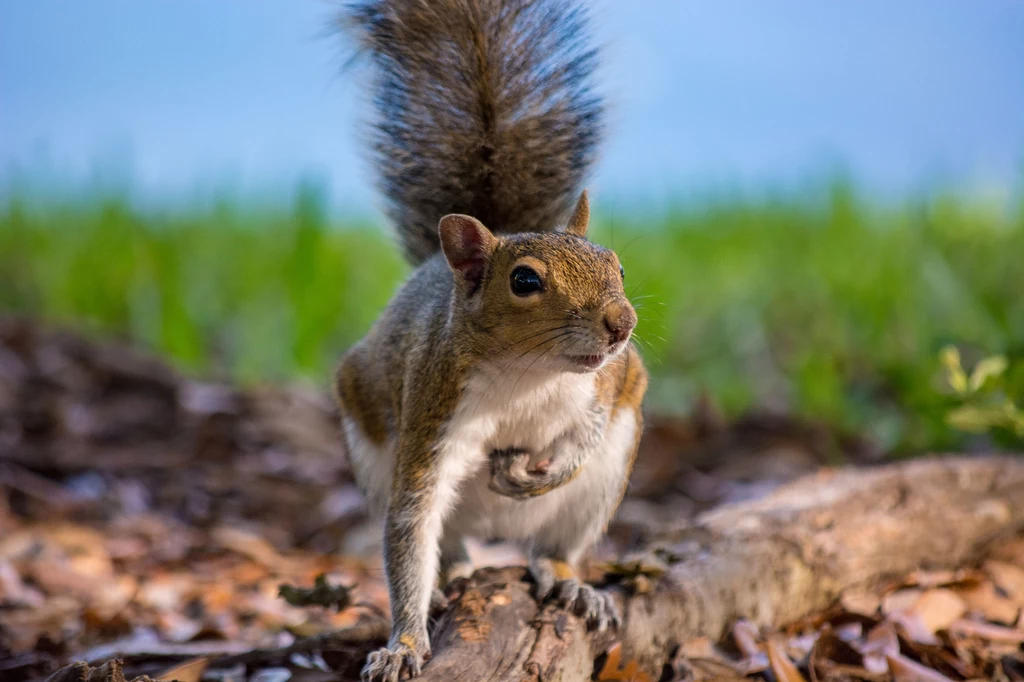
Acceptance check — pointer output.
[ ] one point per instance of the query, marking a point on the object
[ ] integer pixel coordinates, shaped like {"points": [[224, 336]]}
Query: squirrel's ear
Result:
{"points": [[580, 219], [467, 245]]}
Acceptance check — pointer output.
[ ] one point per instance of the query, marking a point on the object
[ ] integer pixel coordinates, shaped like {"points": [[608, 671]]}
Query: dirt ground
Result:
{"points": [[152, 518]]}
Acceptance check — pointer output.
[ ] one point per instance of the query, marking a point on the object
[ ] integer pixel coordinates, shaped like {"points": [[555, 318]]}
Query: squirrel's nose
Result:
{"points": [[619, 320]]}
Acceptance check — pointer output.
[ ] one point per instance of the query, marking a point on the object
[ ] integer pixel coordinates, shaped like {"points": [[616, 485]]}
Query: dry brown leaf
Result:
{"points": [[58, 617], [984, 599], [993, 633], [700, 659], [249, 545], [862, 603], [191, 671], [218, 597], [746, 635], [613, 671], [900, 600], [913, 627], [166, 591], [938, 657], [783, 668], [114, 598], [55, 576], [19, 544], [248, 573], [13, 590], [849, 631], [799, 646], [881, 641], [920, 614], [1009, 578], [175, 627], [75, 539], [937, 608], [905, 670], [833, 659]]}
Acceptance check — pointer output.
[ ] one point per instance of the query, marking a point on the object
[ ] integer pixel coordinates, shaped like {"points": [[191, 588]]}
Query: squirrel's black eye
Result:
{"points": [[622, 272], [526, 281]]}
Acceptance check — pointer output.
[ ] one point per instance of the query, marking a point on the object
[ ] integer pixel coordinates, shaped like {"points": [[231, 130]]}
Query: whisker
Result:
{"points": [[531, 336], [654, 358], [530, 366], [520, 323], [501, 372], [630, 242], [637, 286]]}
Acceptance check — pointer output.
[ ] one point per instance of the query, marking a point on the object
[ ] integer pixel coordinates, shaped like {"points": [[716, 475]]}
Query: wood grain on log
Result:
{"points": [[772, 562]]}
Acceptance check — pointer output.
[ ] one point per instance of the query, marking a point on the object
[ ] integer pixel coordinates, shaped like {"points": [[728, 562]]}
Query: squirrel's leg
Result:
{"points": [[559, 545], [557, 548], [455, 563], [423, 489]]}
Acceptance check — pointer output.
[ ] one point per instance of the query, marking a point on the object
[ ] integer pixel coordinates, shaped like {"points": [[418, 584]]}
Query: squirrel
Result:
{"points": [[498, 395]]}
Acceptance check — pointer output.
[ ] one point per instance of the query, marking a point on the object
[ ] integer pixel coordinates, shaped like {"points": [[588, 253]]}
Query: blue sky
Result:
{"points": [[246, 94]]}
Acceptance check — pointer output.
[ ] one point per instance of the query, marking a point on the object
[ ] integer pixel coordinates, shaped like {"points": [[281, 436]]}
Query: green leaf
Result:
{"points": [[1015, 416], [988, 368], [950, 358], [974, 419]]}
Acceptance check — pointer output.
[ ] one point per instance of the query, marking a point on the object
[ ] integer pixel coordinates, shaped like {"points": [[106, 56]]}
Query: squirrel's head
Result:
{"points": [[551, 300]]}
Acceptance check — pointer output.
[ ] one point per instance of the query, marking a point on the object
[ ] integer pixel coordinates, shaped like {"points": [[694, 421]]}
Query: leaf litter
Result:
{"points": [[197, 531]]}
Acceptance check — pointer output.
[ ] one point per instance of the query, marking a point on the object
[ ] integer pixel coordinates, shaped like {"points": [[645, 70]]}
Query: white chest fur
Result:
{"points": [[523, 411], [505, 410], [530, 415], [502, 411]]}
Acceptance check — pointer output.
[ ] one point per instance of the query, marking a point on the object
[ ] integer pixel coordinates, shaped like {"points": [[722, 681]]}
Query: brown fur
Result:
{"points": [[483, 107], [409, 371], [485, 110]]}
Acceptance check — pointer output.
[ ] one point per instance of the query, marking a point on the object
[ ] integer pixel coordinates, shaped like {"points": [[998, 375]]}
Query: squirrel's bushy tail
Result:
{"points": [[483, 107]]}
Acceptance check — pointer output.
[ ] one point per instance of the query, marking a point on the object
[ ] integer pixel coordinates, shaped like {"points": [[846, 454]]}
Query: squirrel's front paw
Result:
{"points": [[394, 663], [511, 476]]}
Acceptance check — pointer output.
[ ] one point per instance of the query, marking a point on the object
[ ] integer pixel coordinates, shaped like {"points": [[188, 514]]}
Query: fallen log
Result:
{"points": [[771, 562]]}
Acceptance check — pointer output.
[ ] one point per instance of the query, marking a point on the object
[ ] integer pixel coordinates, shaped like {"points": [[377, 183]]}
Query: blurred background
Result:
{"points": [[812, 200], [819, 206]]}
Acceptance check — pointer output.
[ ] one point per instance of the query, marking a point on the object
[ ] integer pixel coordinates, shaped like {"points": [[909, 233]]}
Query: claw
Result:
{"points": [[438, 600], [545, 585], [388, 664], [509, 475], [595, 606], [568, 590]]}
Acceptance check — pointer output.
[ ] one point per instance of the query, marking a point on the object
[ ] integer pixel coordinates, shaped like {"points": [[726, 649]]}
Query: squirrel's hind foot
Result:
{"points": [[387, 665], [586, 601]]}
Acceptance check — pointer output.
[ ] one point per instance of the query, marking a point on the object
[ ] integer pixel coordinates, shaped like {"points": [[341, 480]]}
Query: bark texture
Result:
{"points": [[772, 562]]}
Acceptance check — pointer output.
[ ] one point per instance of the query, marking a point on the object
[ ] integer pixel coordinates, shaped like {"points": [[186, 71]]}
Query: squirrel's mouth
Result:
{"points": [[587, 361]]}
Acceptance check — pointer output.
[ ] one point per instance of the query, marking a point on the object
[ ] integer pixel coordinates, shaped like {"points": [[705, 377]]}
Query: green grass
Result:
{"points": [[824, 306]]}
